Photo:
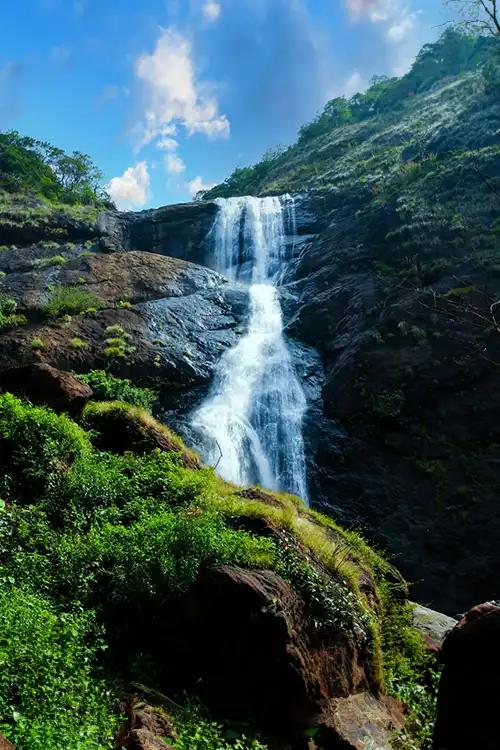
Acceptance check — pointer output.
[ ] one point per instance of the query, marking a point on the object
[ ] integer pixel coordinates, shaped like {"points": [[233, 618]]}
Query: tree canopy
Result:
{"points": [[29, 164]]}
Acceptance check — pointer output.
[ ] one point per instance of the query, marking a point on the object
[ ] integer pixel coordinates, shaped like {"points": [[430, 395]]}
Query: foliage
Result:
{"points": [[55, 260], [28, 164], [108, 387], [78, 343], [8, 316], [70, 300], [37, 343], [49, 697], [198, 731]]}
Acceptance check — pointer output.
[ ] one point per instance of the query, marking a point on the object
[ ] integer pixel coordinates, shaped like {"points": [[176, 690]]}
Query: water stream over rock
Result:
{"points": [[250, 425]]}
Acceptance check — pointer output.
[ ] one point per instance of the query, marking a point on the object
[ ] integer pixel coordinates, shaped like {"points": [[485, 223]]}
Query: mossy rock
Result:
{"points": [[119, 427]]}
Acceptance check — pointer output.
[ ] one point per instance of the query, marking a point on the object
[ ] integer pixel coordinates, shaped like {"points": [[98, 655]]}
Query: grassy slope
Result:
{"points": [[80, 527]]}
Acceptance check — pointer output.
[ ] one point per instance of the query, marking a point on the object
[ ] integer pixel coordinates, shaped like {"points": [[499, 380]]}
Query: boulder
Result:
{"points": [[245, 641], [360, 722], [434, 626], [43, 384], [469, 695], [5, 744], [146, 728]]}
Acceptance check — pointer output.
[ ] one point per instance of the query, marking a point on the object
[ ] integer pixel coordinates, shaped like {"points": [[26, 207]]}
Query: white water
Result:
{"points": [[251, 422]]}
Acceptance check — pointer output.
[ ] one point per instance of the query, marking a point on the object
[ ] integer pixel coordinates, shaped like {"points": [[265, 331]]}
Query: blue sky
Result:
{"points": [[171, 95]]}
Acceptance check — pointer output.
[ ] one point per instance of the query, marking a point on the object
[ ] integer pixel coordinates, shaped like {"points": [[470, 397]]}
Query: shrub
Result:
{"points": [[77, 343], [56, 260], [8, 316], [39, 445], [49, 698], [198, 731], [37, 343], [107, 387], [70, 300]]}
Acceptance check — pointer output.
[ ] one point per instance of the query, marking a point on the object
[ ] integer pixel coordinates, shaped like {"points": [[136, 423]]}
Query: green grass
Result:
{"points": [[55, 260], [70, 300], [108, 387], [78, 343]]}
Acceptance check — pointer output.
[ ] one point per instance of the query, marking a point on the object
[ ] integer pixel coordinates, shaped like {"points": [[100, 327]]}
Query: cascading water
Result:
{"points": [[251, 422]]}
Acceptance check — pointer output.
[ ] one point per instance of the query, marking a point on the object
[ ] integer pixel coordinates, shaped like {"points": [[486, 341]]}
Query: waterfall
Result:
{"points": [[250, 425]]}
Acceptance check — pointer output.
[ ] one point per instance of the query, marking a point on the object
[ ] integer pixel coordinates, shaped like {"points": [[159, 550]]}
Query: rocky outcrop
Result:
{"points": [[148, 317], [43, 384], [178, 230], [246, 641], [469, 699]]}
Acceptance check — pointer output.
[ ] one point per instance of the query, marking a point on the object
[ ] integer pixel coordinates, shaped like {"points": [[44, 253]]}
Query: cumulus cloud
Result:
{"points": [[174, 164], [194, 186], [131, 190], [173, 94], [211, 11]]}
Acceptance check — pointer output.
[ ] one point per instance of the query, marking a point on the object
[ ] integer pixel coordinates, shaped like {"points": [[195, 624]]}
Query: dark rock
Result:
{"points": [[469, 698], [43, 384], [244, 641]]}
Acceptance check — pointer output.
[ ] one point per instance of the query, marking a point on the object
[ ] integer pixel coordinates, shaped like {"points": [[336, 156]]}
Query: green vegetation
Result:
{"points": [[30, 165], [117, 343], [84, 531], [71, 300], [55, 260], [107, 387], [78, 343], [342, 145], [37, 343], [8, 316]]}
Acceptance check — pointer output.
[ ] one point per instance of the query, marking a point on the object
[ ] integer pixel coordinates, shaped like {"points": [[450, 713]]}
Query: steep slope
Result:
{"points": [[396, 290]]}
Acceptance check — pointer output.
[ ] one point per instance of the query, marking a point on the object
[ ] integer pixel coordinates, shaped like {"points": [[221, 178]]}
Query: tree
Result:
{"points": [[481, 15]]}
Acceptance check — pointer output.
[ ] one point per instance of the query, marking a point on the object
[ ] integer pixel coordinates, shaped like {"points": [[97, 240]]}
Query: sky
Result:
{"points": [[169, 96]]}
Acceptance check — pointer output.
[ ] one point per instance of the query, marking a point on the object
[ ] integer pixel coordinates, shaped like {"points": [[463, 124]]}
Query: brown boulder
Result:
{"points": [[43, 384], [5, 744], [146, 728], [469, 694], [245, 642]]}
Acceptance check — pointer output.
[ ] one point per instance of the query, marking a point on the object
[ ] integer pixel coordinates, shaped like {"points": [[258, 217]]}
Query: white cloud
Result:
{"points": [[174, 164], [131, 190], [167, 144], [194, 186], [354, 84], [211, 11], [173, 95], [395, 15]]}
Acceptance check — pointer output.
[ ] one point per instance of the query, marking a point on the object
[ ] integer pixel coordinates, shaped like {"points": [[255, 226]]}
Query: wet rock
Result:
{"points": [[469, 698], [146, 728], [43, 384]]}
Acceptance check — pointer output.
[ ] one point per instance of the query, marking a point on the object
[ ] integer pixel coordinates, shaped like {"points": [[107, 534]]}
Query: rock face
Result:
{"points": [[158, 318], [179, 231], [434, 626], [469, 698], [245, 640], [146, 728]]}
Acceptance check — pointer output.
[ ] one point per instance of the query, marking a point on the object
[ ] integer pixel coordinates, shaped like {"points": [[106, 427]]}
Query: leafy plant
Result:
{"points": [[70, 300], [108, 387]]}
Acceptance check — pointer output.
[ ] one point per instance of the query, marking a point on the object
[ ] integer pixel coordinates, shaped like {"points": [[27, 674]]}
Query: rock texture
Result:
{"points": [[434, 626], [43, 384], [146, 728], [178, 319], [469, 698], [244, 640]]}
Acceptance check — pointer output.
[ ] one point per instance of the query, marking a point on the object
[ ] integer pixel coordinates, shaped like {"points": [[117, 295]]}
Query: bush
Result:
{"points": [[107, 387], [55, 260], [198, 731], [37, 343], [38, 446], [77, 343], [70, 300], [49, 698], [8, 316]]}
